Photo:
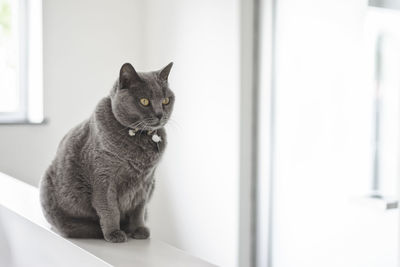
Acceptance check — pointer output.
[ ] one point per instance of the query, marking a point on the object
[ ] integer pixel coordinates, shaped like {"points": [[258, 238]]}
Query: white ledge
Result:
{"points": [[24, 228]]}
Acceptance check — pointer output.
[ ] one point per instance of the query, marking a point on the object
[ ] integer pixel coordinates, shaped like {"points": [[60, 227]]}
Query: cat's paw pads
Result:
{"points": [[117, 236], [141, 232]]}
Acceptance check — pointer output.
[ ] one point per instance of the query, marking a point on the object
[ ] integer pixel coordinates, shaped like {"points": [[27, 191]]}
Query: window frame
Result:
{"points": [[30, 66]]}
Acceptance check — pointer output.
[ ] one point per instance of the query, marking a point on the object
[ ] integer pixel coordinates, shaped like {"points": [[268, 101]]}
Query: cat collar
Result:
{"points": [[155, 137]]}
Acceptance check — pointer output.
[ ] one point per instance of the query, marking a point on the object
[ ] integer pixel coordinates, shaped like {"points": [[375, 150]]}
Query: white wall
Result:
{"points": [[196, 203], [85, 42]]}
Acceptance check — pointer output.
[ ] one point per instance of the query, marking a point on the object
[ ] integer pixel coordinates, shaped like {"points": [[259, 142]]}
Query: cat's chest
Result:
{"points": [[144, 150], [132, 194]]}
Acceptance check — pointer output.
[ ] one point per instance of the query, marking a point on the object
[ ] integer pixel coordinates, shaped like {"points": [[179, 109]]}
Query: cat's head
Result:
{"points": [[142, 100]]}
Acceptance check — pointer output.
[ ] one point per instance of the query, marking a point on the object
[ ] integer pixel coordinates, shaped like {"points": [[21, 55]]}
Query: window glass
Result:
{"points": [[9, 56]]}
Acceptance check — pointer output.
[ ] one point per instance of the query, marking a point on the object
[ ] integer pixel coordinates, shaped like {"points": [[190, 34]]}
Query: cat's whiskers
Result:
{"points": [[132, 126], [142, 125], [173, 123], [145, 126]]}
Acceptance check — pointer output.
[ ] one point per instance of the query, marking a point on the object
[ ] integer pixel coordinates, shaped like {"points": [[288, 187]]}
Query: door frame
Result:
{"points": [[257, 138]]}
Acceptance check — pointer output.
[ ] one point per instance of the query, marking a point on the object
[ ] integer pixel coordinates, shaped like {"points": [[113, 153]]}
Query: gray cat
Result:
{"points": [[102, 177]]}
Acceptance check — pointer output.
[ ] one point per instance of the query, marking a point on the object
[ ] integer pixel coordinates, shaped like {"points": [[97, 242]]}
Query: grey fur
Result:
{"points": [[101, 179]]}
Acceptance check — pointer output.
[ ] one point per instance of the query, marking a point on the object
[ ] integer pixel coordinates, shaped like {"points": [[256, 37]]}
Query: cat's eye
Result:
{"points": [[165, 101], [144, 101]]}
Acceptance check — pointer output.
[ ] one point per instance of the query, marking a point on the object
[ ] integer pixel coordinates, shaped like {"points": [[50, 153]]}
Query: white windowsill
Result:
{"points": [[24, 122], [23, 199]]}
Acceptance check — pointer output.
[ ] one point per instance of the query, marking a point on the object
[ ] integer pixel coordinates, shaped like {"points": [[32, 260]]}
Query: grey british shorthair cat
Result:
{"points": [[102, 177]]}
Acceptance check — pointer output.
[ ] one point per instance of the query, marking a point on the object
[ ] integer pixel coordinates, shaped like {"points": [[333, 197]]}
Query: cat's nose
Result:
{"points": [[159, 116]]}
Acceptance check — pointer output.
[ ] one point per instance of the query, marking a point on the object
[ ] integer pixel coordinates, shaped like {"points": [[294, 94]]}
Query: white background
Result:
{"points": [[85, 43], [324, 119]]}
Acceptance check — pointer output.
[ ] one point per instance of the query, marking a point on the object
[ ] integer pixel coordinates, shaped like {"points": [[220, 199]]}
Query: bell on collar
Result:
{"points": [[156, 138]]}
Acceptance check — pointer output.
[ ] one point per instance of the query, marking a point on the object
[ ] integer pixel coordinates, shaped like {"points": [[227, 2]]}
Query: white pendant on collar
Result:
{"points": [[131, 132], [156, 138]]}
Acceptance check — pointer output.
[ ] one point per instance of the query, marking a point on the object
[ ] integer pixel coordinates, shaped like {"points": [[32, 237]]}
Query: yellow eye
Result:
{"points": [[165, 101], [144, 101]]}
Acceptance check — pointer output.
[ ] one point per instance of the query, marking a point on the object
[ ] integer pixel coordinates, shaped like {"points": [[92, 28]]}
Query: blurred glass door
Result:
{"points": [[337, 144]]}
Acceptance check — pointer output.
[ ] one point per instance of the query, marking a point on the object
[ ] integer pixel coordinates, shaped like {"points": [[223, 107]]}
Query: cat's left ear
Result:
{"points": [[164, 72], [128, 76]]}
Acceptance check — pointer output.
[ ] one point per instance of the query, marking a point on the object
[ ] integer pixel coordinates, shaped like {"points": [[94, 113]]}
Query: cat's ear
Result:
{"points": [[164, 72], [128, 76]]}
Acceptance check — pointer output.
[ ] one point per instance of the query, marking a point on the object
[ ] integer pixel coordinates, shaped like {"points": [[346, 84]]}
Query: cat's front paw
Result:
{"points": [[117, 236], [142, 232]]}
